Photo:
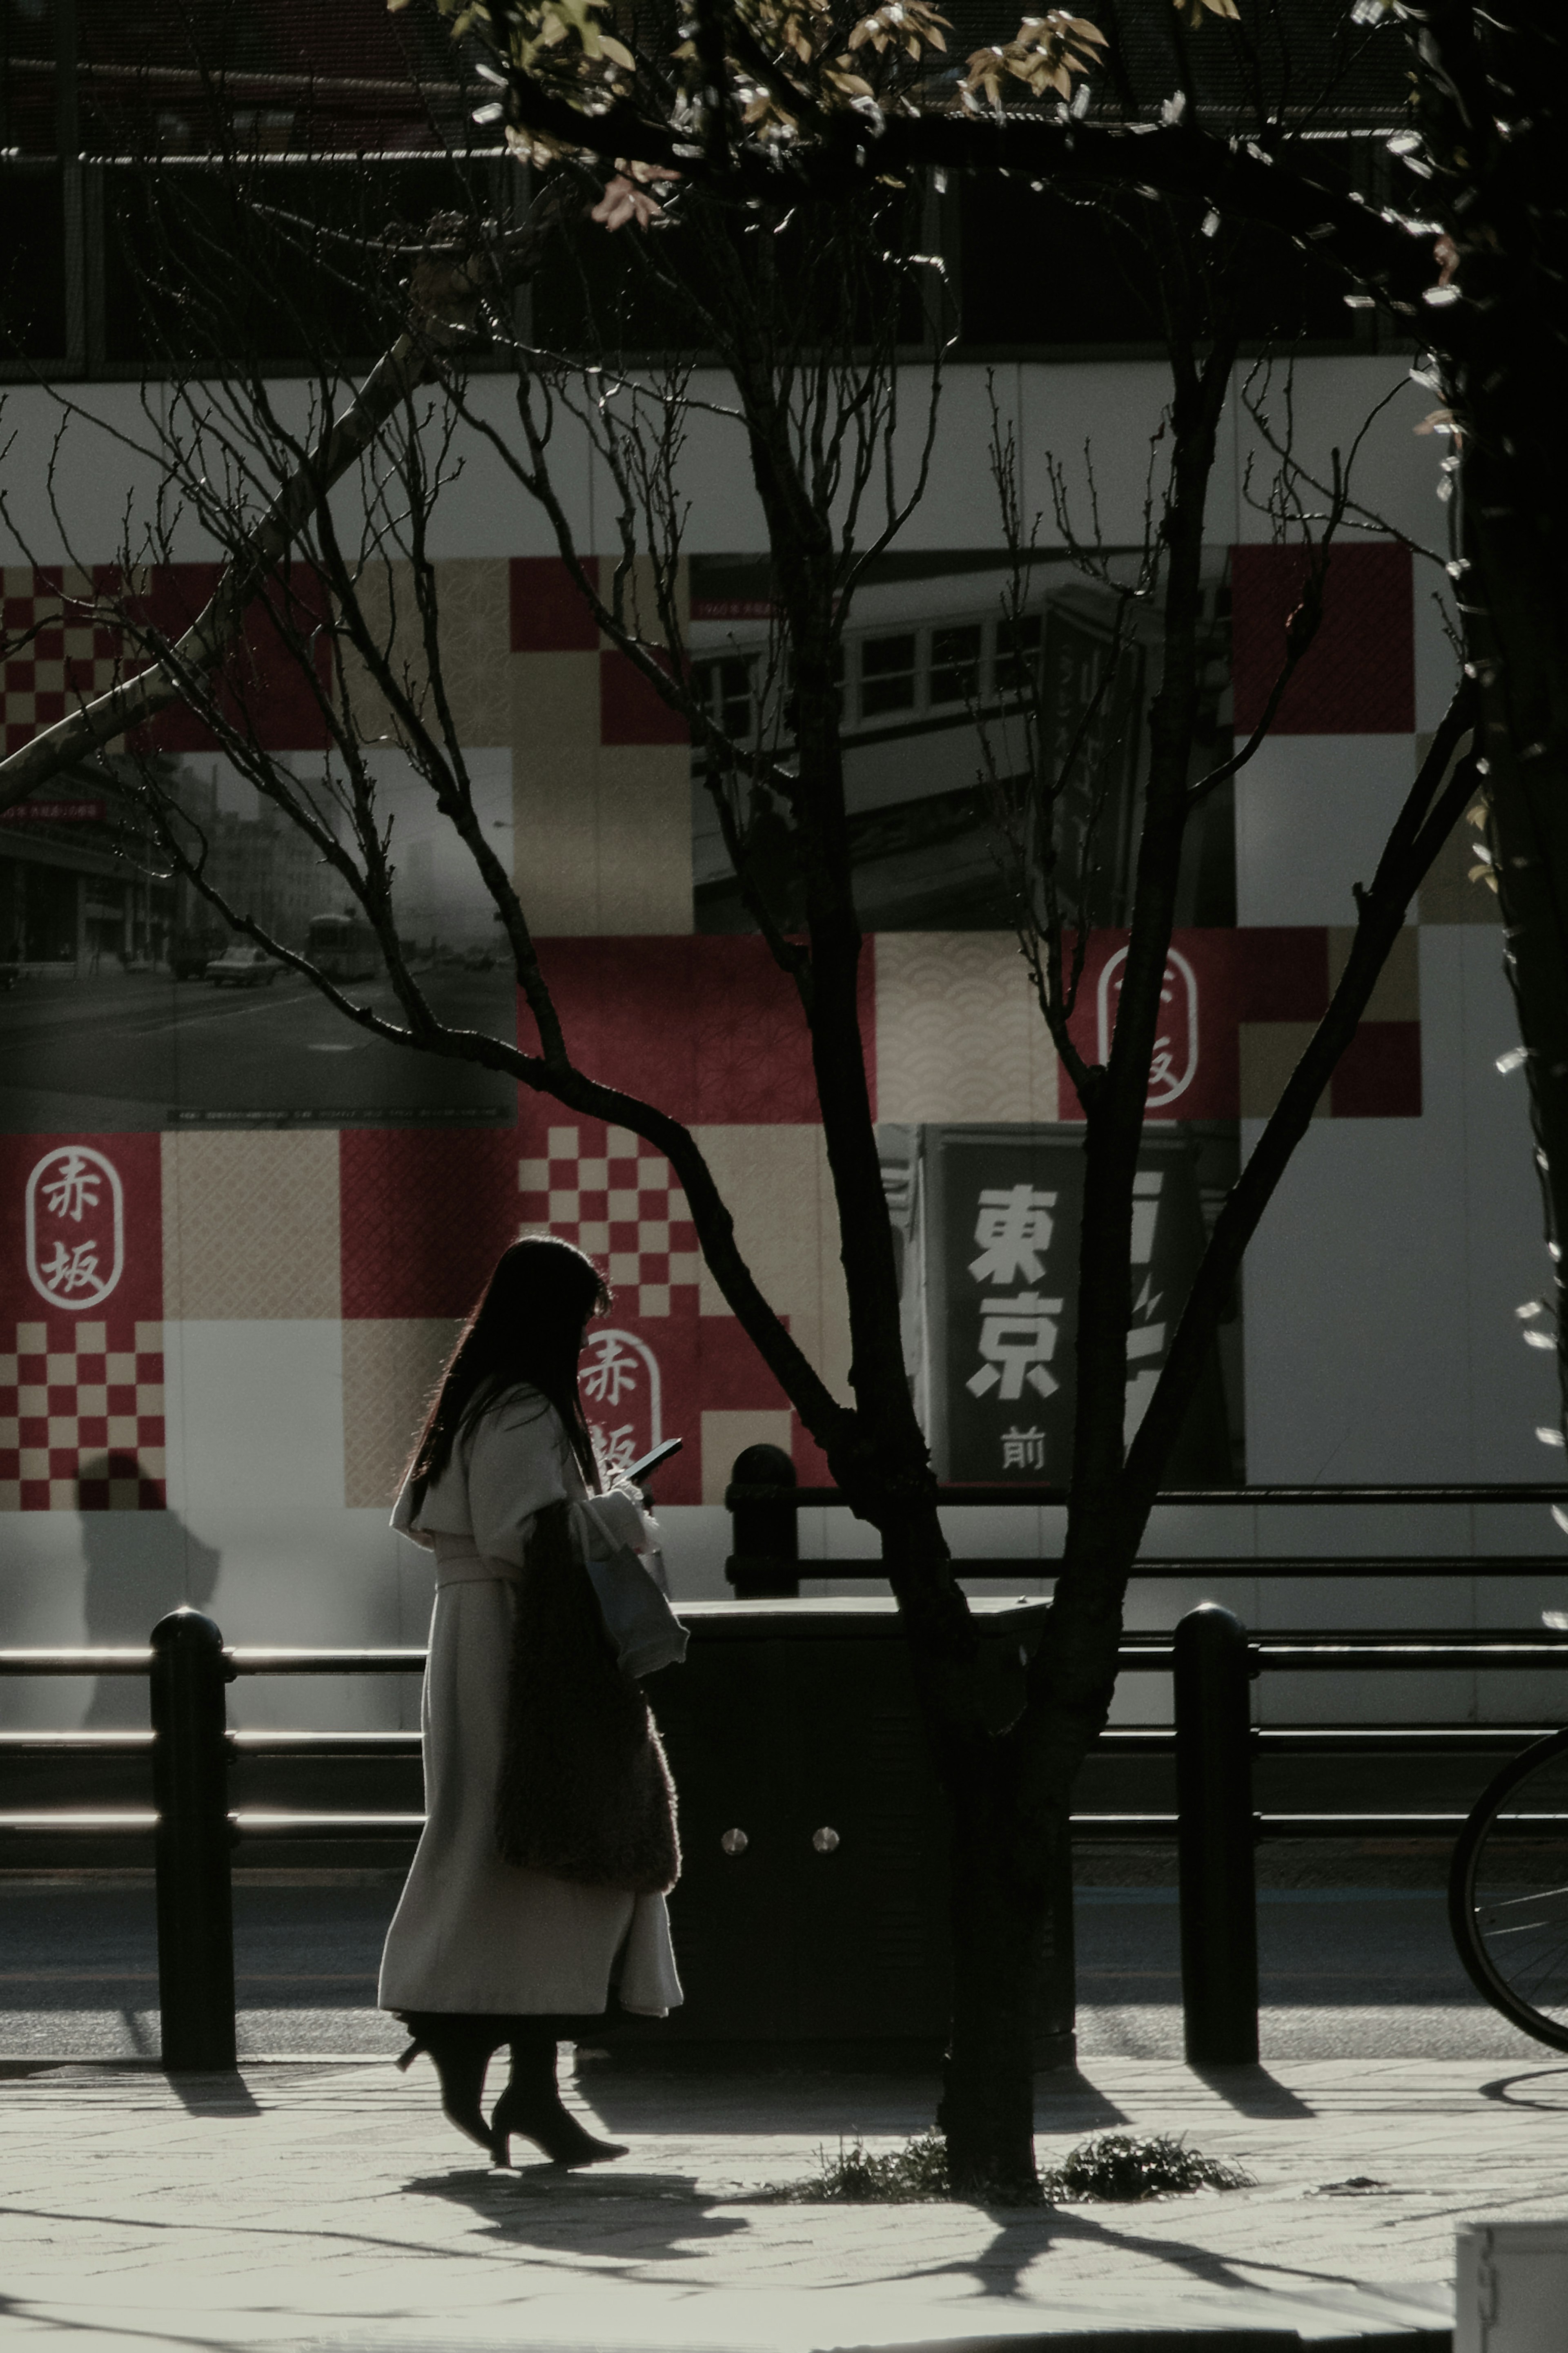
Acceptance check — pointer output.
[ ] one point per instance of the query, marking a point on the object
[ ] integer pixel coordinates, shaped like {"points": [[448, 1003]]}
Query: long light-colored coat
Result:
{"points": [[472, 1933]]}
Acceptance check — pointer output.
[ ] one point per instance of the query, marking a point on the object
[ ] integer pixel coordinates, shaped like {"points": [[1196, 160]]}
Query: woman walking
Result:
{"points": [[549, 1844]]}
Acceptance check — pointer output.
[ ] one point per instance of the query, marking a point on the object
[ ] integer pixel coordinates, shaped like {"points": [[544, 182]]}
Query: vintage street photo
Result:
{"points": [[939, 661], [126, 1003]]}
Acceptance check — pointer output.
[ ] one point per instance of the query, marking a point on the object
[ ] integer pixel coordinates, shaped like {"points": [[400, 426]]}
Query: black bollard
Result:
{"points": [[765, 1563], [1214, 1841], [190, 1784]]}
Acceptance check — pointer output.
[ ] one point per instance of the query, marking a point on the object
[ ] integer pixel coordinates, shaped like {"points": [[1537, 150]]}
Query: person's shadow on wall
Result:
{"points": [[140, 1565]]}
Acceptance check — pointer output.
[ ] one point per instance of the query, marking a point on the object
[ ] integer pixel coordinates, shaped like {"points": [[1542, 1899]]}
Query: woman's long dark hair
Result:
{"points": [[528, 1327]]}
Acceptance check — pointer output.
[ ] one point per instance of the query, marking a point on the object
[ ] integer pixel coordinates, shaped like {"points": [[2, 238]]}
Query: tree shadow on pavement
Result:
{"points": [[1022, 2236], [999, 2268]]}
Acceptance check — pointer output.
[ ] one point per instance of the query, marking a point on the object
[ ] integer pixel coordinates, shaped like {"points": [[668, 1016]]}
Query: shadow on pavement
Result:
{"points": [[1514, 2091], [1253, 2092], [1065, 2099], [212, 2095], [661, 2216], [1000, 2269]]}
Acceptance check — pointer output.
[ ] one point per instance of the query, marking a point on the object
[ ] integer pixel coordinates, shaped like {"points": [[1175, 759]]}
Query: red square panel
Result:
{"points": [[1195, 1074], [267, 692], [707, 1028], [424, 1215], [1358, 676], [549, 614], [97, 1231], [630, 710], [1379, 1073], [1281, 973]]}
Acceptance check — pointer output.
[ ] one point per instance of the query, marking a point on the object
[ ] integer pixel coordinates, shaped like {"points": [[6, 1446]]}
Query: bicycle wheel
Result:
{"points": [[1508, 1892]]}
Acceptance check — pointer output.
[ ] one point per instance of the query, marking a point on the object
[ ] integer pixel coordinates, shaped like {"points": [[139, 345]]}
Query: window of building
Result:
{"points": [[888, 674], [956, 663], [1017, 653], [726, 690]]}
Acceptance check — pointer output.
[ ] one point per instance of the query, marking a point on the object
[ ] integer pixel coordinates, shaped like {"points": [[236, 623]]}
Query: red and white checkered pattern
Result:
{"points": [[603, 1188], [71, 658], [81, 1417]]}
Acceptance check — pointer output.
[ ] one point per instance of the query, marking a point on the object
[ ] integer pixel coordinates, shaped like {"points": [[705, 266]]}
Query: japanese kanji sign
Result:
{"points": [[75, 1213], [82, 1338], [1174, 1062], [999, 1246], [620, 1386]]}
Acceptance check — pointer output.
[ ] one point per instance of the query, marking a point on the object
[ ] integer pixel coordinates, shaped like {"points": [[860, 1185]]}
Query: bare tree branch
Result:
{"points": [[450, 295]]}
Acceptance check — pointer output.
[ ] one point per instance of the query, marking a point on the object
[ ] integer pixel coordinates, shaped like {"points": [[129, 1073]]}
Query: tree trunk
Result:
{"points": [[987, 2108], [1515, 612], [998, 1883]]}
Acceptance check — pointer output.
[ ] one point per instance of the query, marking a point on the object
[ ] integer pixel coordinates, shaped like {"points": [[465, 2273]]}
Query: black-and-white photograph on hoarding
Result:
{"points": [[988, 1221], [126, 1003], [937, 665]]}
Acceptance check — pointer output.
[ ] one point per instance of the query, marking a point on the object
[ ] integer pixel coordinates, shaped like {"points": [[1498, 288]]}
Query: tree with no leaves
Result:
{"points": [[792, 252]]}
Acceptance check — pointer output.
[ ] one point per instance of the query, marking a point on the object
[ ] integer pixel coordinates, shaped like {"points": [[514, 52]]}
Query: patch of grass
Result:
{"points": [[1118, 2168], [915, 2173], [1113, 2167]]}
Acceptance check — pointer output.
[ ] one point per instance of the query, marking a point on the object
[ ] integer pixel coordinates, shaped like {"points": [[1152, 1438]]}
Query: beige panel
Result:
{"points": [[959, 1032], [767, 1177], [1269, 1052], [1454, 891], [601, 835], [644, 838], [250, 1226], [556, 840], [556, 790], [389, 1371], [385, 594], [725, 1435], [473, 610], [776, 1183], [475, 593], [1397, 995], [554, 702], [831, 1353]]}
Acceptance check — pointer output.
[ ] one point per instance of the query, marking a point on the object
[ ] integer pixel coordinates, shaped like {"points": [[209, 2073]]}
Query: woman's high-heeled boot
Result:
{"points": [[462, 2046], [531, 2102]]}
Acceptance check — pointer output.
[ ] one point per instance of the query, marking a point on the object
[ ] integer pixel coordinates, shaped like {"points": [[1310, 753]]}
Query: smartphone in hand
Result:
{"points": [[639, 1472]]}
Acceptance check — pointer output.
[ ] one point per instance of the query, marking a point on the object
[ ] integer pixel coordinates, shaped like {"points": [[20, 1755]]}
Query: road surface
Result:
{"points": [[1345, 1970], [137, 1050]]}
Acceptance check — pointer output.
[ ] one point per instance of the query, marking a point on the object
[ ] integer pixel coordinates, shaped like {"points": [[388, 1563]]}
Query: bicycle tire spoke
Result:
{"points": [[1515, 1904]]}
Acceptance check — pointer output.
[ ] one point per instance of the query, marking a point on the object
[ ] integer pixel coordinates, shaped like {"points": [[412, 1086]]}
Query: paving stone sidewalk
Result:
{"points": [[327, 2205]]}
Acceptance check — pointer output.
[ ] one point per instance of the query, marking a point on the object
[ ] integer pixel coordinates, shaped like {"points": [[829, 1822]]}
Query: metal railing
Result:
{"points": [[188, 1669], [764, 1500], [1211, 1658]]}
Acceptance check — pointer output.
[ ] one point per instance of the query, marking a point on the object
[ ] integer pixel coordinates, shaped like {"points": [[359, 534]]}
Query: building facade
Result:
{"points": [[237, 1238], [301, 1224]]}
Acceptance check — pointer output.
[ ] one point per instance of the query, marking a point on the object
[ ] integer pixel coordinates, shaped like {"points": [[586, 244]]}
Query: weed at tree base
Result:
{"points": [[1112, 2167], [915, 2173], [1117, 2168]]}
